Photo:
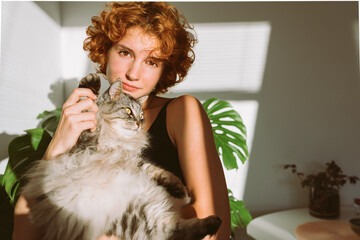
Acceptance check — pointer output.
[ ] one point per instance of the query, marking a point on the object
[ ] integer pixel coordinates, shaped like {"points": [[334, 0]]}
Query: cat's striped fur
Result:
{"points": [[103, 186]]}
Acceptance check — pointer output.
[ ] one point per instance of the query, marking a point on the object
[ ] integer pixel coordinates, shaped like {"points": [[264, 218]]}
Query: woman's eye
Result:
{"points": [[152, 63], [124, 53]]}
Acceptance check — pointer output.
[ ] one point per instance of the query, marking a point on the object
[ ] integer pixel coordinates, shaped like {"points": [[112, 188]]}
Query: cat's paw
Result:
{"points": [[91, 81], [212, 224], [173, 185]]}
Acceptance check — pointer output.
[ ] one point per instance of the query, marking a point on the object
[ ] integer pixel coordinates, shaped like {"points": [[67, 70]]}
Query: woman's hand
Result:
{"points": [[77, 115]]}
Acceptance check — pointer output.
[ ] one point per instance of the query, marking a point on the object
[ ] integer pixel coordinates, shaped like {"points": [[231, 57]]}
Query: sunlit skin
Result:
{"points": [[136, 62]]}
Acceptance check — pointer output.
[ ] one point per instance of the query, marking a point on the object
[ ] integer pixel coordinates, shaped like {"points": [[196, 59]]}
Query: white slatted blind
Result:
{"points": [[229, 57]]}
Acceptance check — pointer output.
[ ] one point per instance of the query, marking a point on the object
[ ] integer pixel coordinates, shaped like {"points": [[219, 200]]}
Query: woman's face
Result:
{"points": [[134, 60]]}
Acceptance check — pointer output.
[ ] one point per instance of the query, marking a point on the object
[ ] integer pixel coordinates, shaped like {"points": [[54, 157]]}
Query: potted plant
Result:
{"points": [[25, 149], [324, 187]]}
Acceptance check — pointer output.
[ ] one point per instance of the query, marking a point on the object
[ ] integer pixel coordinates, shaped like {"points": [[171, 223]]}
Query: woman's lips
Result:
{"points": [[129, 87]]}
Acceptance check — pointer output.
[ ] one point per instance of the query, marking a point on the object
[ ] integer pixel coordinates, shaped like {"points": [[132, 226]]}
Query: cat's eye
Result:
{"points": [[141, 116], [128, 110]]}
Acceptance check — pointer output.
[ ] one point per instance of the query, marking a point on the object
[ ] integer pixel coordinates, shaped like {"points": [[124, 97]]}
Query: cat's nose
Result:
{"points": [[139, 124]]}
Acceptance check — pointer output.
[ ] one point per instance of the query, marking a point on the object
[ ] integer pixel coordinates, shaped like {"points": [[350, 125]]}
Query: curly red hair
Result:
{"points": [[156, 18]]}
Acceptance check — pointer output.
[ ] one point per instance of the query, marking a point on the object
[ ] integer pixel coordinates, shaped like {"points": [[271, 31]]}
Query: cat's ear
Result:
{"points": [[115, 90], [91, 81], [143, 99]]}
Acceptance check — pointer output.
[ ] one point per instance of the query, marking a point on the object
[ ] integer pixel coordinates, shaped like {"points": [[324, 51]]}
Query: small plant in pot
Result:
{"points": [[324, 186]]}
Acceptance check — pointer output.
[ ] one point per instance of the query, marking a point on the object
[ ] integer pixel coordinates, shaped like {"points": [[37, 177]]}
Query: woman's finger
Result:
{"points": [[81, 117], [76, 94], [86, 104], [85, 125], [86, 120]]}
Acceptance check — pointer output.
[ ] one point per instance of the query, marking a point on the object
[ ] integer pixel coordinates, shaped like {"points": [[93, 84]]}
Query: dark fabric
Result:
{"points": [[162, 152]]}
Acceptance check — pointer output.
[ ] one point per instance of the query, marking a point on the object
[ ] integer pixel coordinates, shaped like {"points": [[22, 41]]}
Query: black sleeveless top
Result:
{"points": [[162, 152]]}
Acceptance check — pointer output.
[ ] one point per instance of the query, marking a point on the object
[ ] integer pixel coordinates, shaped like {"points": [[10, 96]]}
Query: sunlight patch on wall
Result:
{"points": [[229, 57], [236, 179], [76, 64], [74, 59]]}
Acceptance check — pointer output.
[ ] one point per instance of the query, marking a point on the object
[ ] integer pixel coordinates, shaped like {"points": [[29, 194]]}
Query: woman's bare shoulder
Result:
{"points": [[186, 113], [184, 104]]}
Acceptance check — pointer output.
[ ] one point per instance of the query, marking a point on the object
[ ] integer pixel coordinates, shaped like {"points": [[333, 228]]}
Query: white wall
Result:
{"points": [[30, 67], [305, 109], [308, 101]]}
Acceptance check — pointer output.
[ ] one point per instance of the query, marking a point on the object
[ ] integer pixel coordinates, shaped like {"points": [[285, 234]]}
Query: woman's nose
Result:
{"points": [[134, 71]]}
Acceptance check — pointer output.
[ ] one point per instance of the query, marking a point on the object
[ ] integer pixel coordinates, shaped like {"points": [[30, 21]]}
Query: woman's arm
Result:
{"points": [[23, 229], [190, 130], [72, 122]]}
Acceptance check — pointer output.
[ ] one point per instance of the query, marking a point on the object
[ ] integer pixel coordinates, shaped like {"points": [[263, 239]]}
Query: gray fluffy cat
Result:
{"points": [[103, 186]]}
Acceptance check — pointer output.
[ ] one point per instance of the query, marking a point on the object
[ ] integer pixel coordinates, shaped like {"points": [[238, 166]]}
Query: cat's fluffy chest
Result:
{"points": [[104, 186]]}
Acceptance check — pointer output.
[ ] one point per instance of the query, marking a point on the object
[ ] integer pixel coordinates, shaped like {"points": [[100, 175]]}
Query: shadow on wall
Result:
{"points": [[5, 139], [52, 9], [55, 88]]}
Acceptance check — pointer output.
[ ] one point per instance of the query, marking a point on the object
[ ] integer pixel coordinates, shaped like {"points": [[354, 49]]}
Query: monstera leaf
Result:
{"points": [[229, 132], [22, 152], [50, 120], [230, 139], [240, 216], [25, 149]]}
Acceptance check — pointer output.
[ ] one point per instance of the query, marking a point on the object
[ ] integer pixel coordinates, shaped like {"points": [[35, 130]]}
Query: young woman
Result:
{"points": [[148, 46]]}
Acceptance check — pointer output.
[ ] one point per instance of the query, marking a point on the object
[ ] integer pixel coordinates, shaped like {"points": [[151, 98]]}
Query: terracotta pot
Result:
{"points": [[324, 203]]}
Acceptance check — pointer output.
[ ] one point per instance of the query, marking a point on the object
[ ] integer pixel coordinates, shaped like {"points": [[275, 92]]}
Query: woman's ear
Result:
{"points": [[115, 89]]}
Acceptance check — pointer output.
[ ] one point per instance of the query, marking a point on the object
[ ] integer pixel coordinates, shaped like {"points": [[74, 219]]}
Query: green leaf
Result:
{"points": [[9, 181], [229, 132], [50, 120], [35, 136], [240, 216], [26, 149], [23, 151], [54, 113], [1, 180], [50, 124]]}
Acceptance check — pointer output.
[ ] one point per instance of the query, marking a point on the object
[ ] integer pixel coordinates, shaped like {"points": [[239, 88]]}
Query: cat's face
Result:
{"points": [[120, 111]]}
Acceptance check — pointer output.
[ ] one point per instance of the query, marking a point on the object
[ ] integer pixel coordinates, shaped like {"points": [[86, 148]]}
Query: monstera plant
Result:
{"points": [[230, 139], [23, 151]]}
